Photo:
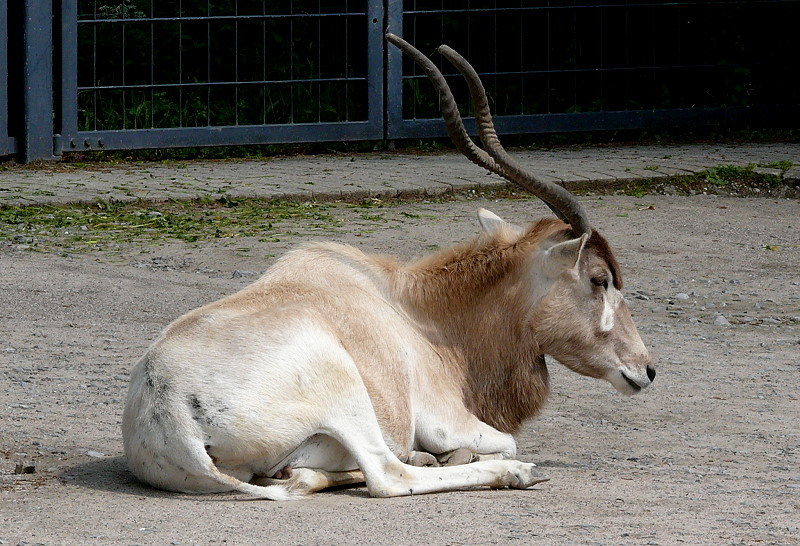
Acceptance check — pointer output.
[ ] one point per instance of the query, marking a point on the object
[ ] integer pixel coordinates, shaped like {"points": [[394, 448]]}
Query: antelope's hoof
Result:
{"points": [[419, 458], [460, 456], [526, 475], [284, 473]]}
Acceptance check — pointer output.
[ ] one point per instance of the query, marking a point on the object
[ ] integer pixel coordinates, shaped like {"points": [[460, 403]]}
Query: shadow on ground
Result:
{"points": [[111, 474]]}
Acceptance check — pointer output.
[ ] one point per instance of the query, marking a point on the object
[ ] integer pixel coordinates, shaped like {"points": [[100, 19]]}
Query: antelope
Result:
{"points": [[338, 367]]}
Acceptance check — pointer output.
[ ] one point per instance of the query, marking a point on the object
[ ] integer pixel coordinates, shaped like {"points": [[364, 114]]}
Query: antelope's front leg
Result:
{"points": [[463, 441]]}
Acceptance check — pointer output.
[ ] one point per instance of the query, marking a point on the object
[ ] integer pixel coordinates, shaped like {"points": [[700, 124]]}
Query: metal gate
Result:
{"points": [[174, 73], [126, 74], [586, 65]]}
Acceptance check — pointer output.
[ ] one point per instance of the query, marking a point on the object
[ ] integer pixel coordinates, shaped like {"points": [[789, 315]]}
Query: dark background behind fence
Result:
{"points": [[157, 73]]}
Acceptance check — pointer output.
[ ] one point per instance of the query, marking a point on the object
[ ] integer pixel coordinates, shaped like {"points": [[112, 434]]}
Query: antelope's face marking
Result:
{"points": [[611, 300], [585, 323]]}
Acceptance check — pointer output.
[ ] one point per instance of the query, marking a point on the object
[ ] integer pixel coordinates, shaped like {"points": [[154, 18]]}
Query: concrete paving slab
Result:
{"points": [[379, 175]]}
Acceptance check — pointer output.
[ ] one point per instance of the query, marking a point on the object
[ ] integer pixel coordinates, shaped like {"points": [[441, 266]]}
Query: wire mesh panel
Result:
{"points": [[246, 69], [580, 65]]}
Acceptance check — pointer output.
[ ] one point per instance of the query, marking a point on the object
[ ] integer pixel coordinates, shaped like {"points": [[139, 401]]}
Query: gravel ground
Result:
{"points": [[708, 455]]}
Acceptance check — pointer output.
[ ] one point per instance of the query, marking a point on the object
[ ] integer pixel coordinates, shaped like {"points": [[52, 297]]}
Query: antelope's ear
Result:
{"points": [[562, 257], [492, 223]]}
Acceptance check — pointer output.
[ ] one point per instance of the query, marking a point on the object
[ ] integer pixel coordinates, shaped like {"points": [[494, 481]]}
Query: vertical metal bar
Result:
{"points": [[627, 56], [152, 69], [6, 146], [37, 78], [575, 58], [94, 68], [347, 62], [264, 62], [495, 77], [208, 64], [236, 65], [549, 86], [319, 63], [602, 70], [376, 67], [394, 74], [180, 64], [414, 65], [291, 61], [521, 64], [69, 75], [122, 68]]}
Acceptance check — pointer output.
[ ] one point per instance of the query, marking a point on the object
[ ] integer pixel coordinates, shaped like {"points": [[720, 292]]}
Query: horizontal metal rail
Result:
{"points": [[214, 18]]}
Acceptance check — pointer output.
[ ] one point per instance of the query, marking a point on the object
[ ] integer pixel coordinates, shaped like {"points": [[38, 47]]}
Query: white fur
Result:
{"points": [[317, 366], [611, 300]]}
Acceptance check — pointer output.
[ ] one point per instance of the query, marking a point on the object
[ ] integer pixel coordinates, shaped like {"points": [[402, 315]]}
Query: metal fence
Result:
{"points": [[125, 74], [579, 65]]}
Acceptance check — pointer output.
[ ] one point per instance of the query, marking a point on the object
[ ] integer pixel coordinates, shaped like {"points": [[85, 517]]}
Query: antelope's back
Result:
{"points": [[316, 304]]}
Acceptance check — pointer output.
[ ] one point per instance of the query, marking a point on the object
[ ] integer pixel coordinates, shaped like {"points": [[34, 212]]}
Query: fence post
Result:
{"points": [[37, 78], [7, 145]]}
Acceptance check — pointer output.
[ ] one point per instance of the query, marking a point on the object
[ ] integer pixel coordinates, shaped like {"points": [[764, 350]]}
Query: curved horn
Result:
{"points": [[497, 160]]}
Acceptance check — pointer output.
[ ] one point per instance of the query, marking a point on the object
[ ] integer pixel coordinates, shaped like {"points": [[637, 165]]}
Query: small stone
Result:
{"points": [[682, 296], [238, 273], [20, 468], [95, 454], [721, 321]]}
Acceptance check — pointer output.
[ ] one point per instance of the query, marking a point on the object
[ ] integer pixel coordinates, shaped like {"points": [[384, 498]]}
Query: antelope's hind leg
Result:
{"points": [[311, 480]]}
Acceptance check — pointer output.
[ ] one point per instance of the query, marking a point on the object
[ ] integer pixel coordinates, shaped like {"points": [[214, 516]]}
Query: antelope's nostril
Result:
{"points": [[651, 373]]}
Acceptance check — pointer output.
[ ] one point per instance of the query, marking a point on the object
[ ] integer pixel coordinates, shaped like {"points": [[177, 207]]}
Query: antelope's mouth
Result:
{"points": [[633, 384]]}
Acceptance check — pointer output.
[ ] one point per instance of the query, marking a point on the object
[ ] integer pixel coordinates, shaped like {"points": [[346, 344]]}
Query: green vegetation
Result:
{"points": [[105, 225], [98, 225], [727, 179]]}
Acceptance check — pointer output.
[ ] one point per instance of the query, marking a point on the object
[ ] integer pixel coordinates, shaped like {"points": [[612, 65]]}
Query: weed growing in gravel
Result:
{"points": [[727, 179], [97, 225], [105, 224]]}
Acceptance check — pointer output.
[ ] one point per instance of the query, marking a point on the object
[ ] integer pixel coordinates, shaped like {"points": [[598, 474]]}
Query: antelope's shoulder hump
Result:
{"points": [[327, 263]]}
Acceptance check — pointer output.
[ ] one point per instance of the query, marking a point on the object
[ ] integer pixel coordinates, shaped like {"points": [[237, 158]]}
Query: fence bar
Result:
{"points": [[8, 144], [787, 117], [67, 119], [394, 74], [375, 71], [221, 136], [37, 81]]}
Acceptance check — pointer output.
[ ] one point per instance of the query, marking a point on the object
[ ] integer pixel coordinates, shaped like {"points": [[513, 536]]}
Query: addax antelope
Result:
{"points": [[339, 367]]}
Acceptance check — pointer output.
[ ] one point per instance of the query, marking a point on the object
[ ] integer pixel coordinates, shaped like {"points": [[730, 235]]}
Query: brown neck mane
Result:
{"points": [[467, 301]]}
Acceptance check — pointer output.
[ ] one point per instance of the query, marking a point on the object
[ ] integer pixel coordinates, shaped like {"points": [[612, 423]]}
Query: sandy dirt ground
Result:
{"points": [[708, 455]]}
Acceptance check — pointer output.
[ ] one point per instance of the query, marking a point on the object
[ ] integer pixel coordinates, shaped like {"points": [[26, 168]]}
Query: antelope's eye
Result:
{"points": [[600, 281]]}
